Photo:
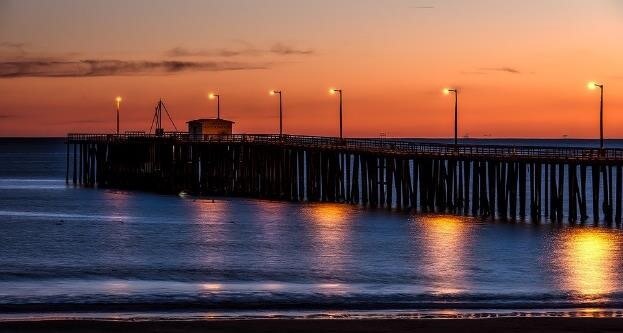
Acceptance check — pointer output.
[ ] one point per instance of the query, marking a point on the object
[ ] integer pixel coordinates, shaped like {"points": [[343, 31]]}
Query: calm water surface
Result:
{"points": [[71, 249]]}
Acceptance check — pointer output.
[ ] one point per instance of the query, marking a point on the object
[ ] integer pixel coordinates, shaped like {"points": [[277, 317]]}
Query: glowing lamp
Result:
{"points": [[592, 85], [447, 91]]}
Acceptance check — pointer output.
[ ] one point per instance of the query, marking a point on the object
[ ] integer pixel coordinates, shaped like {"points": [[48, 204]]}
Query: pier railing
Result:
{"points": [[372, 145]]}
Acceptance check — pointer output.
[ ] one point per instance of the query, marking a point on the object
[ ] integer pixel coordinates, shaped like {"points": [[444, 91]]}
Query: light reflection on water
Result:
{"points": [[589, 260], [446, 241], [329, 225], [265, 250]]}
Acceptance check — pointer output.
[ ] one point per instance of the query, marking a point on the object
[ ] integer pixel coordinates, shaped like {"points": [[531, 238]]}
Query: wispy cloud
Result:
{"points": [[510, 70], [95, 68], [246, 49], [284, 49], [184, 52], [12, 45]]}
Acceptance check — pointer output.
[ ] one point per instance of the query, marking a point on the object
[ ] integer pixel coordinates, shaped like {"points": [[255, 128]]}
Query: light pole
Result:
{"points": [[272, 93], [455, 91], [118, 100], [218, 104], [592, 86], [332, 91]]}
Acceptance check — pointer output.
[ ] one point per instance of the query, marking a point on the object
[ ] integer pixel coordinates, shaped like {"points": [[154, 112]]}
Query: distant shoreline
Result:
{"points": [[322, 325]]}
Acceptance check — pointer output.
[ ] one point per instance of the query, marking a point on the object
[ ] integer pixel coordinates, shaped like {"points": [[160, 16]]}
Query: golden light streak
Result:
{"points": [[445, 239], [588, 258]]}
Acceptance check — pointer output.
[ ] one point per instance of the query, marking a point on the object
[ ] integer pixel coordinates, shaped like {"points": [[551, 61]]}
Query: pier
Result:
{"points": [[505, 182]]}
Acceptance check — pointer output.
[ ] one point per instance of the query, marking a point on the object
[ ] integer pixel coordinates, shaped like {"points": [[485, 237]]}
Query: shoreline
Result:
{"points": [[297, 315], [517, 324]]}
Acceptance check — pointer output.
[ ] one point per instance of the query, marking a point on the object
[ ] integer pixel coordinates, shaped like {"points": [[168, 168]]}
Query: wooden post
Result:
{"points": [[355, 187], [619, 193], [595, 185], [522, 189], [389, 175], [364, 180], [347, 160]]}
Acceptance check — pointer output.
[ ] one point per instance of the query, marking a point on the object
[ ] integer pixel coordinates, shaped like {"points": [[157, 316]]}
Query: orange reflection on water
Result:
{"points": [[589, 258], [330, 227], [211, 211], [117, 287], [211, 286], [445, 239], [329, 215]]}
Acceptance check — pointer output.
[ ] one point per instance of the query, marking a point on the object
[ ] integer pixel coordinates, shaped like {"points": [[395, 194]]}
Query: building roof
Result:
{"points": [[210, 120]]}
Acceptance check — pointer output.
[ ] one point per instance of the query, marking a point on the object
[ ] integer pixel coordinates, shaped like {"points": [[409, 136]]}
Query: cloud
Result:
{"points": [[247, 50], [7, 116], [12, 45], [284, 49], [96, 68], [183, 52], [501, 69]]}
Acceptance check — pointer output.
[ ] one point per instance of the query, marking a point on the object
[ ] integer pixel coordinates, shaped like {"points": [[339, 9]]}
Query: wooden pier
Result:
{"points": [[505, 182]]}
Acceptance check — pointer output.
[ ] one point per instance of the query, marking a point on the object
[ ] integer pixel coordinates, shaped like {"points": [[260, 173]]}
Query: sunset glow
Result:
{"points": [[523, 67]]}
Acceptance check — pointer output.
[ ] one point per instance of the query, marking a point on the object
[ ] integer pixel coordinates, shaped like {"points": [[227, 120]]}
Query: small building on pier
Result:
{"points": [[210, 126]]}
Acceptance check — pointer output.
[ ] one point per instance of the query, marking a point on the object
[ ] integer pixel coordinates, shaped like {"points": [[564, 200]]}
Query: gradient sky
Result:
{"points": [[521, 66]]}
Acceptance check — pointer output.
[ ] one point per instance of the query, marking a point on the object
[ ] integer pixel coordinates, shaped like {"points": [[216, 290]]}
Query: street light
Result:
{"points": [[332, 91], [593, 86], [447, 91], [272, 93], [118, 100], [218, 103]]}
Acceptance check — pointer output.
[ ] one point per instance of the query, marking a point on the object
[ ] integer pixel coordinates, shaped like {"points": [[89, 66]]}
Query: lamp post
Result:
{"points": [[332, 91], [455, 91], [118, 100], [218, 104], [592, 86], [272, 93]]}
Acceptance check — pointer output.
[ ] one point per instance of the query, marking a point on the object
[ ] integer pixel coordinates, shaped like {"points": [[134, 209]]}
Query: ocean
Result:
{"points": [[67, 251]]}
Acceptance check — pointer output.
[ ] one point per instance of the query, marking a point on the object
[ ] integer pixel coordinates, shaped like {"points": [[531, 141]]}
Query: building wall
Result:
{"points": [[209, 128]]}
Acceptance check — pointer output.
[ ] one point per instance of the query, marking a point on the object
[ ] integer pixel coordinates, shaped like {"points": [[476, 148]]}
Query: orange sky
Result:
{"points": [[521, 66]]}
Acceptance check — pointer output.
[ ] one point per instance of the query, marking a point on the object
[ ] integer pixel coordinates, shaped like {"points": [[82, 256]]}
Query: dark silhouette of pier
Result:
{"points": [[506, 182]]}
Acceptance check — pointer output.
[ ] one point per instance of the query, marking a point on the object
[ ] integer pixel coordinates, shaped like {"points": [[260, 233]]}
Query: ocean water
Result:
{"points": [[94, 252]]}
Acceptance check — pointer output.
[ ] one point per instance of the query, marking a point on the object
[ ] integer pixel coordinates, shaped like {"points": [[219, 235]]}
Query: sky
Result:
{"points": [[521, 66]]}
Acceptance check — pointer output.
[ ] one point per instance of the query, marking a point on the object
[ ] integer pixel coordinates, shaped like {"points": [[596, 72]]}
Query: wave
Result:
{"points": [[49, 215], [55, 180], [294, 302], [133, 295], [306, 314], [32, 184]]}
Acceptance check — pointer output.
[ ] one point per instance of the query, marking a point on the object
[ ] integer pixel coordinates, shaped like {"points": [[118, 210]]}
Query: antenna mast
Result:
{"points": [[157, 119]]}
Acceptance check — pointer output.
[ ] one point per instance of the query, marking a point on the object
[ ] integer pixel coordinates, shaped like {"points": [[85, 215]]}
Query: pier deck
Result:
{"points": [[506, 182], [393, 147]]}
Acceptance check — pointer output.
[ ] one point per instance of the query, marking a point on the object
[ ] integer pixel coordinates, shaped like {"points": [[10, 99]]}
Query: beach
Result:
{"points": [[304, 326]]}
